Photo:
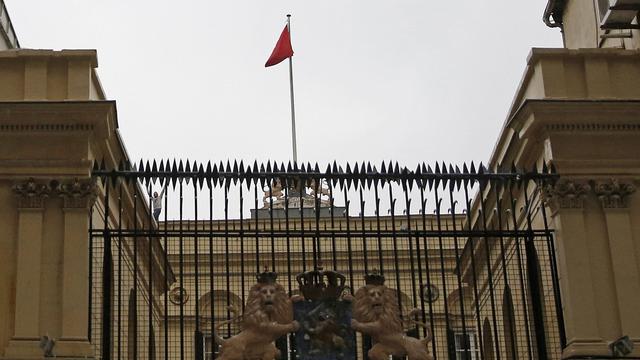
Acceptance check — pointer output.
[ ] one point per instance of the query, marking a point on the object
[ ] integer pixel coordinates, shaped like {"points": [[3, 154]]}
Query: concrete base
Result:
{"points": [[24, 349], [29, 349], [72, 348]]}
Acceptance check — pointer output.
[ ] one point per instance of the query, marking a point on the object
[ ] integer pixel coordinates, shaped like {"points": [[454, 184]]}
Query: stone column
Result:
{"points": [[566, 200], [614, 195], [78, 197], [31, 200]]}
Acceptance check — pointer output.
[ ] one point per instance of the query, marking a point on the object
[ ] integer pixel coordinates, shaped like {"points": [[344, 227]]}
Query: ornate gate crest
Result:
{"points": [[325, 316]]}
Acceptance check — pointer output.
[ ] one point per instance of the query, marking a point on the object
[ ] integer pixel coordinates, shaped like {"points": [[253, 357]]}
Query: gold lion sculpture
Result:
{"points": [[375, 313], [268, 316]]}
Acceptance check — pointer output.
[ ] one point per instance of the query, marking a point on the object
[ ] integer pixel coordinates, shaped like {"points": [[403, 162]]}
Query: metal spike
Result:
{"points": [[383, 169], [102, 166], [235, 172], [215, 174]]}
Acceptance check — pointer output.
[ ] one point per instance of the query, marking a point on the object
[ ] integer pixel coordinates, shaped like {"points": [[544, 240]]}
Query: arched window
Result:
{"points": [[216, 304], [487, 340], [509, 321]]}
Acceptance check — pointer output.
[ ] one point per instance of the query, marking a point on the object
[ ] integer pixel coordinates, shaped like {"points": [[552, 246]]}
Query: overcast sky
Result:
{"points": [[375, 80]]}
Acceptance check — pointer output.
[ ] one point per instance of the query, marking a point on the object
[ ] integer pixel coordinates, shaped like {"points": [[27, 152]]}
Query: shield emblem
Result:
{"points": [[324, 316]]}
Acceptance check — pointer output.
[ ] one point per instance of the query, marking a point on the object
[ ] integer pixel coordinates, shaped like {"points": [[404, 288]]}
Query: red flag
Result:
{"points": [[283, 49]]}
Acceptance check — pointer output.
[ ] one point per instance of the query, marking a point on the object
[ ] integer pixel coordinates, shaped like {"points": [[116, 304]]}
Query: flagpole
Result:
{"points": [[293, 109]]}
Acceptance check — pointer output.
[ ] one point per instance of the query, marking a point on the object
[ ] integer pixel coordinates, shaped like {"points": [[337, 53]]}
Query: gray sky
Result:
{"points": [[375, 80]]}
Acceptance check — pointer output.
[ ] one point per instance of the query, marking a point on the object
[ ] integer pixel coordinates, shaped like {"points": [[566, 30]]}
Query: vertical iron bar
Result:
{"points": [[119, 316], [106, 297], [257, 225], [333, 228], [449, 345], [407, 205], [465, 338], [489, 265], [106, 281], [288, 235], [227, 271], [214, 345], [378, 233], [199, 337], [271, 235], [523, 294], [317, 261], [473, 270], [166, 272], [394, 241], [91, 265], [503, 260], [534, 283], [554, 279], [136, 234], [181, 266], [302, 190], [423, 205], [152, 235], [242, 275], [364, 236]]}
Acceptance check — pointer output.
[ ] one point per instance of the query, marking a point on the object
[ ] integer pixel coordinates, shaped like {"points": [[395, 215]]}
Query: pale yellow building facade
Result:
{"points": [[577, 109]]}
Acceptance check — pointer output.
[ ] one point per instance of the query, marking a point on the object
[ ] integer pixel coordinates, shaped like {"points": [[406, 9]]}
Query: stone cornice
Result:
{"points": [[96, 117], [31, 194], [575, 115], [613, 193], [72, 54]]}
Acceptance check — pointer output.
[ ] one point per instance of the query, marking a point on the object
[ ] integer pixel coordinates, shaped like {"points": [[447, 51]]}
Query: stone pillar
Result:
{"points": [[614, 195], [31, 200], [566, 200], [78, 197]]}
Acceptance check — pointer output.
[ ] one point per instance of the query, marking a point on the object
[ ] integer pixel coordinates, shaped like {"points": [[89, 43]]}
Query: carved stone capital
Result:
{"points": [[612, 193], [31, 194], [78, 194], [567, 194]]}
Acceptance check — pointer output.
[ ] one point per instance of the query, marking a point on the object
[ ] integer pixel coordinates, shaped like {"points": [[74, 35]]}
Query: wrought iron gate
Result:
{"points": [[469, 248]]}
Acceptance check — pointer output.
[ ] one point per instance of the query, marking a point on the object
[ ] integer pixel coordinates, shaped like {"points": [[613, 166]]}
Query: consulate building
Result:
{"points": [[535, 254]]}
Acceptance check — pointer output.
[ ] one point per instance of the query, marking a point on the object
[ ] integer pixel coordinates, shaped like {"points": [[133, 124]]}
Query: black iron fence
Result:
{"points": [[469, 248]]}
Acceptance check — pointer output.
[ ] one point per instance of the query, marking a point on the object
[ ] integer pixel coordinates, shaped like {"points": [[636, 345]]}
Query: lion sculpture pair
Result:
{"points": [[269, 316]]}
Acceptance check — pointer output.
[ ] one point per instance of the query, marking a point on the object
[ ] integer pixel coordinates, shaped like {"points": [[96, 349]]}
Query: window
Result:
{"points": [[466, 345], [509, 321], [487, 340], [210, 352]]}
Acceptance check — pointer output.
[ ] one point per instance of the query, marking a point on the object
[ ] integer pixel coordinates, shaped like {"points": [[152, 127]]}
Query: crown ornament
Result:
{"points": [[319, 284], [267, 277], [374, 278]]}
